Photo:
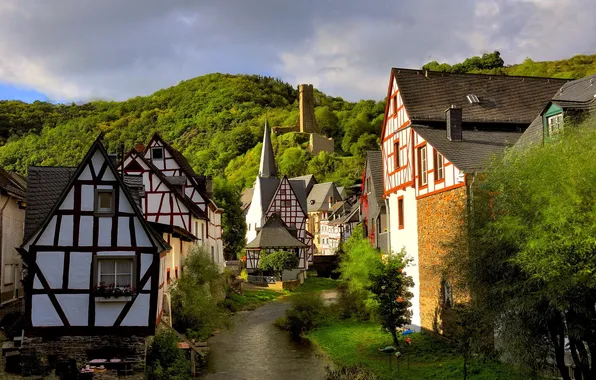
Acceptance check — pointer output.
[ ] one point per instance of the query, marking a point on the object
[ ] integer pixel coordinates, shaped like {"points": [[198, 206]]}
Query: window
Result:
{"points": [[396, 152], [197, 229], [394, 105], [104, 201], [116, 272], [330, 200], [400, 212], [422, 166], [555, 123], [202, 232], [168, 277], [157, 153], [287, 203], [176, 272], [439, 166]]}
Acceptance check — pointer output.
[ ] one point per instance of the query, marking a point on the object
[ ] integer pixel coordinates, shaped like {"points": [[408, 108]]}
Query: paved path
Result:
{"points": [[255, 349]]}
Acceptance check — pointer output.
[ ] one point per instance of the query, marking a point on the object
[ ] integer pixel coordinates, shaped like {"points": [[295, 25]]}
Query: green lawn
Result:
{"points": [[350, 343], [316, 284], [251, 299]]}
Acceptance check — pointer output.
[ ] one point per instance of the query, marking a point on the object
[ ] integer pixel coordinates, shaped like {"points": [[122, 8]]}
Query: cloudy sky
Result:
{"points": [[77, 50]]}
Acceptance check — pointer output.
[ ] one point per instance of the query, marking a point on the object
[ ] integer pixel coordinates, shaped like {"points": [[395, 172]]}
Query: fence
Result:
{"points": [[261, 279]]}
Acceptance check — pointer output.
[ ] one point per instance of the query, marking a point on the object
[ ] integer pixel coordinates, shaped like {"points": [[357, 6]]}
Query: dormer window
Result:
{"points": [[157, 153], [555, 124], [104, 201]]}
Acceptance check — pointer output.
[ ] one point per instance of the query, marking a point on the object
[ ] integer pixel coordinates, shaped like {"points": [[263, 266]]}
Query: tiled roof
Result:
{"points": [[578, 91], [474, 152], [503, 99], [269, 187], [45, 187], [275, 234], [318, 196], [374, 161]]}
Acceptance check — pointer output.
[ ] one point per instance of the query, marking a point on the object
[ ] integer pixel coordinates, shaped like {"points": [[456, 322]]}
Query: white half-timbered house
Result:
{"points": [[439, 130], [87, 242], [177, 199], [283, 197]]}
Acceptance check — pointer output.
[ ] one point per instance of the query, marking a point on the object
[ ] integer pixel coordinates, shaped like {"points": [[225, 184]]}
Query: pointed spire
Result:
{"points": [[267, 166]]}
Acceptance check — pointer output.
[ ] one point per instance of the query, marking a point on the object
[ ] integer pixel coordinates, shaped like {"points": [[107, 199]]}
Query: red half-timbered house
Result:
{"points": [[439, 130], [95, 267]]}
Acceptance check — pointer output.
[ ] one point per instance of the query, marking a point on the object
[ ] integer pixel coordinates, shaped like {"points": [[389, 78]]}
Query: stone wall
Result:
{"points": [[84, 348], [319, 143], [441, 230]]}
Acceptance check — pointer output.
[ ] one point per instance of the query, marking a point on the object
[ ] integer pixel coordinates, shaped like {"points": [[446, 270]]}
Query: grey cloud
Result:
{"points": [[114, 49]]}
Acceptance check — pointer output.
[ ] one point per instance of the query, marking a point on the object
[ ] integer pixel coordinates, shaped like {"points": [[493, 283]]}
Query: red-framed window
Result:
{"points": [[394, 105], [396, 155], [400, 212], [168, 277]]}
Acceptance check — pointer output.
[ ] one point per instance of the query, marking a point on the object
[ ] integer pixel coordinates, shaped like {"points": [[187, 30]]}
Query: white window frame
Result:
{"points": [[101, 261], [439, 166], [423, 165], [106, 211], [555, 124]]}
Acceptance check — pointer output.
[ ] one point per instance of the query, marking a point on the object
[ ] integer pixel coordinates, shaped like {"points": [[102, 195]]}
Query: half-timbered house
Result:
{"points": [[94, 267], [439, 130], [283, 197], [373, 208]]}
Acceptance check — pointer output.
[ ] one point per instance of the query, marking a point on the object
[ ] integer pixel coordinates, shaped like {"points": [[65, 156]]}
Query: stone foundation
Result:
{"points": [[85, 348], [441, 230]]}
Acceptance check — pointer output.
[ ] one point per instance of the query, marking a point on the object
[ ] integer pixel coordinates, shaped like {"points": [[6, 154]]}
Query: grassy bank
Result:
{"points": [[356, 343], [316, 284], [251, 299]]}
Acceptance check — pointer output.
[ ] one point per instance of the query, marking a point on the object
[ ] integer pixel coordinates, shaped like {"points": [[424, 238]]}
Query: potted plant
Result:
{"points": [[112, 293]]}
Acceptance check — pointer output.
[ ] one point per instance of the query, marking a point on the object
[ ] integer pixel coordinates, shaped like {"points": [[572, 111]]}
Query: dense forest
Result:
{"points": [[217, 122]]}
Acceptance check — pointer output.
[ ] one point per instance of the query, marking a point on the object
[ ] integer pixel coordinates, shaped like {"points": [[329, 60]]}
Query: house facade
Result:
{"points": [[440, 130], [86, 242], [13, 190], [285, 198], [320, 201], [373, 208]]}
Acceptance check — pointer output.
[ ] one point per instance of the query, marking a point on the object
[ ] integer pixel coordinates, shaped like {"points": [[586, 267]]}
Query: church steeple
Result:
{"points": [[267, 166]]}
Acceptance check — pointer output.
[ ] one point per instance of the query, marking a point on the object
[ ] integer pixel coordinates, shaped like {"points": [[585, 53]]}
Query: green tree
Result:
{"points": [[233, 221], [293, 162], [359, 261], [390, 288], [278, 261], [533, 253]]}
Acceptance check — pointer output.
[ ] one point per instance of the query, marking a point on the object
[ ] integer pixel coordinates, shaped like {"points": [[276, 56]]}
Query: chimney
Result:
{"points": [[307, 122], [140, 148], [453, 115]]}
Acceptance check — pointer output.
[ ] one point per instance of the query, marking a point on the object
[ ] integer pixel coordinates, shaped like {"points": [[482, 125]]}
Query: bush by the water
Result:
{"points": [[165, 361], [351, 303], [197, 295], [352, 372], [307, 312]]}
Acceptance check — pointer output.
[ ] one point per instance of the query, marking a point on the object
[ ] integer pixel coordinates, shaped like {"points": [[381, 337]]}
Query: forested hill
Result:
{"points": [[216, 120]]}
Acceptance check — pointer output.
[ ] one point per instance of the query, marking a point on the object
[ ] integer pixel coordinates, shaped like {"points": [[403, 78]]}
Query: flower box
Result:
{"points": [[114, 299]]}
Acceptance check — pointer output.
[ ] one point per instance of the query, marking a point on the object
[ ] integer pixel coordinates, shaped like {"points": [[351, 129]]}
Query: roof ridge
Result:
{"points": [[443, 73]]}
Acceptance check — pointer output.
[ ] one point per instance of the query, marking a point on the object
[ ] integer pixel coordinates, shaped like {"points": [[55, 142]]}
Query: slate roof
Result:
{"points": [[318, 196], [579, 94], [45, 187], [246, 197], [503, 99], [136, 187], [178, 180], [309, 181], [275, 234], [476, 149], [267, 163], [269, 187], [12, 185], [374, 163]]}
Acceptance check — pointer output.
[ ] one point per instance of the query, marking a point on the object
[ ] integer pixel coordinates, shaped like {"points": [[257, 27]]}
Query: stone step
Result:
{"points": [[8, 346]]}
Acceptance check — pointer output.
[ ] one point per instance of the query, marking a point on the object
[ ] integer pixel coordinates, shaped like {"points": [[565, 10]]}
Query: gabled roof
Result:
{"points": [[167, 181], [275, 234], [97, 146], [374, 163], [13, 184], [269, 187], [502, 99], [319, 195], [309, 181], [46, 184], [178, 157], [267, 164], [476, 149]]}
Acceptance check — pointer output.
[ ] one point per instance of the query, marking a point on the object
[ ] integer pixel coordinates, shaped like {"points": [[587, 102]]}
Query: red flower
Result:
{"points": [[399, 299]]}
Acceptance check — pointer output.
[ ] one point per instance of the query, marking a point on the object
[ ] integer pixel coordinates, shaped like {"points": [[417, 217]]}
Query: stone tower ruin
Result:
{"points": [[306, 121]]}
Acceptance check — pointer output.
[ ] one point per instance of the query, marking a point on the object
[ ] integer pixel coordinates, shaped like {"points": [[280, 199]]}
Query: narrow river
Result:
{"points": [[255, 349]]}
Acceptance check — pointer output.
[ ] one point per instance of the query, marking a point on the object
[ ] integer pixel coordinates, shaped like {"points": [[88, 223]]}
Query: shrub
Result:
{"points": [[165, 361], [306, 313], [195, 297], [351, 303], [353, 372]]}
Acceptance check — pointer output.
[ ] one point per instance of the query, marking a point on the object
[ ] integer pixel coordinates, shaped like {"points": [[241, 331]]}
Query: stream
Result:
{"points": [[255, 349]]}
